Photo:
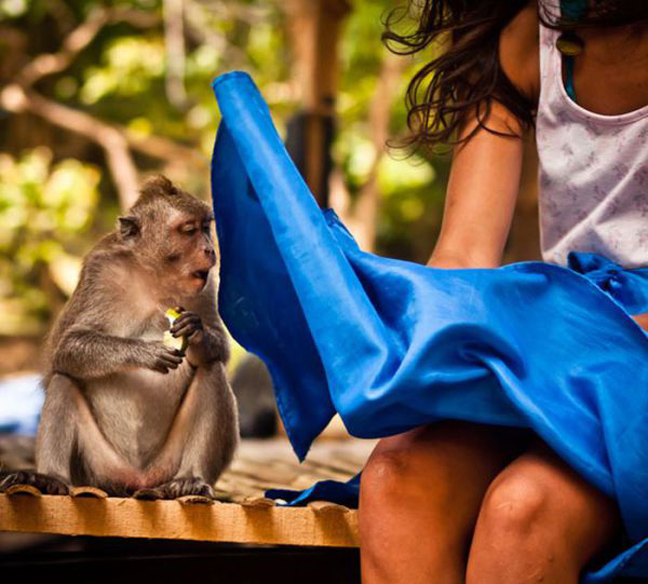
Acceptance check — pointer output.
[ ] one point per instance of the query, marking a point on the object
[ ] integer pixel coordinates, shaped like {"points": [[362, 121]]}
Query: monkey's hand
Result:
{"points": [[205, 344], [159, 357], [189, 325]]}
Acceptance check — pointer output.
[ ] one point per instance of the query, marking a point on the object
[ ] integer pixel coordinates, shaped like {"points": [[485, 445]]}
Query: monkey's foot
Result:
{"points": [[186, 486], [148, 494], [46, 484]]}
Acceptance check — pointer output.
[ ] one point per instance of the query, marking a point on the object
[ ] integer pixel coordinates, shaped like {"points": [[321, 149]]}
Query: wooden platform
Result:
{"points": [[220, 522], [242, 515]]}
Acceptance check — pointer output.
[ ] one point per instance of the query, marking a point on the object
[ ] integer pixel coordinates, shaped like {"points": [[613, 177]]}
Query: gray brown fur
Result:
{"points": [[122, 410]]}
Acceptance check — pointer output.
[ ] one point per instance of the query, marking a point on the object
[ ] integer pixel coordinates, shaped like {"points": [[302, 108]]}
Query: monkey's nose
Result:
{"points": [[210, 252]]}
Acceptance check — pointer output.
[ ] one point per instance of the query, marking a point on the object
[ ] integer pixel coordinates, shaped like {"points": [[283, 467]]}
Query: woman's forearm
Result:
{"points": [[481, 195]]}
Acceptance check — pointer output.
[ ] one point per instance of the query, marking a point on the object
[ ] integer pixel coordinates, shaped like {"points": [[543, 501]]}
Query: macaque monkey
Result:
{"points": [[123, 411]]}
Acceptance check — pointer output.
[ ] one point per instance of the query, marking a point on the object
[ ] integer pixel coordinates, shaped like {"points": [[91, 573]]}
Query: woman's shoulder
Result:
{"points": [[519, 51]]}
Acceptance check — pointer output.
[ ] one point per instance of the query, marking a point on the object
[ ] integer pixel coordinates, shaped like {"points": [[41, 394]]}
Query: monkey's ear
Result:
{"points": [[129, 227]]}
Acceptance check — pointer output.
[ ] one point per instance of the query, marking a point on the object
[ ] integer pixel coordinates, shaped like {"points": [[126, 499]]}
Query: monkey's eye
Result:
{"points": [[189, 230]]}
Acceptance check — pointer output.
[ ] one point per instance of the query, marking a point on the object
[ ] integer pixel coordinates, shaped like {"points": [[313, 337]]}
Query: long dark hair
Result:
{"points": [[466, 76]]}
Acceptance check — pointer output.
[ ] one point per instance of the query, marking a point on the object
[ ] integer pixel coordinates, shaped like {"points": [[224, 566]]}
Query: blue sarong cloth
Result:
{"points": [[392, 345]]}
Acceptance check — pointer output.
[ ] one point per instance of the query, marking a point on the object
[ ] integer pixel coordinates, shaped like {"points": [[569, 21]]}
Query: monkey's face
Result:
{"points": [[169, 231], [188, 254]]}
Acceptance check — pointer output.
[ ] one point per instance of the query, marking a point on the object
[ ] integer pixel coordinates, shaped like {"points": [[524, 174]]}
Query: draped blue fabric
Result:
{"points": [[391, 345]]}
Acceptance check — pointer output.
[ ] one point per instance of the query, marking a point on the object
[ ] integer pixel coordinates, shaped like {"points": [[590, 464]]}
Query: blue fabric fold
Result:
{"points": [[391, 345], [342, 493], [629, 288]]}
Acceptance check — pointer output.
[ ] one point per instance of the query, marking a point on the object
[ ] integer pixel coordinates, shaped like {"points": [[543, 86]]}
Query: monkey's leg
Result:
{"points": [[55, 443], [57, 431], [207, 427]]}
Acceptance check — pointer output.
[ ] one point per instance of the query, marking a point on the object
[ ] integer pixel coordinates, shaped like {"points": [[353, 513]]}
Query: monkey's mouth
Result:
{"points": [[201, 275]]}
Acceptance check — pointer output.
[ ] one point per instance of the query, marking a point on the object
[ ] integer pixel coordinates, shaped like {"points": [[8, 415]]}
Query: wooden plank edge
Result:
{"points": [[221, 522]]}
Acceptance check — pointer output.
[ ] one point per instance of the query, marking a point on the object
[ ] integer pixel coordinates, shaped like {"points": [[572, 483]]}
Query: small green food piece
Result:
{"points": [[180, 343]]}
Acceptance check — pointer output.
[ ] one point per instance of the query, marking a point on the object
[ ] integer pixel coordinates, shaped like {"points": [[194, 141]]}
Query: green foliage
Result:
{"points": [[12, 8], [413, 193], [411, 187], [131, 65], [44, 207]]}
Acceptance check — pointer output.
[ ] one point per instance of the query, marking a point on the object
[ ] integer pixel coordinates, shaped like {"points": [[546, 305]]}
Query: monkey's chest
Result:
{"points": [[135, 409], [149, 329]]}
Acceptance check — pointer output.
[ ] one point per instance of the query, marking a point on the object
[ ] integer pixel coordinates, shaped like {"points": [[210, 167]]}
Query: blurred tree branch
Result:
{"points": [[16, 99], [249, 13], [13, 43], [116, 141], [198, 27], [79, 39], [362, 217], [175, 52], [368, 203]]}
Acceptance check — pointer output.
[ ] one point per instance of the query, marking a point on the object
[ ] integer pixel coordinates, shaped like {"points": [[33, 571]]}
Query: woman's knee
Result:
{"points": [[383, 503], [405, 513], [443, 463], [512, 507], [516, 536], [539, 517], [405, 475], [388, 471]]}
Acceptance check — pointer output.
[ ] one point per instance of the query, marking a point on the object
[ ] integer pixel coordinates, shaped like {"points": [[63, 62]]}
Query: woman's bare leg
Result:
{"points": [[539, 522], [420, 496]]}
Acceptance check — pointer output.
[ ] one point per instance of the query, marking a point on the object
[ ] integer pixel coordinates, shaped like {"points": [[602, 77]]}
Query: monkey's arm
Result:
{"points": [[217, 342], [202, 325], [88, 354]]}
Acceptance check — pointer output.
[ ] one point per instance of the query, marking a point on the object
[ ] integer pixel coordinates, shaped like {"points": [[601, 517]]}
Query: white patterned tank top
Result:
{"points": [[593, 173]]}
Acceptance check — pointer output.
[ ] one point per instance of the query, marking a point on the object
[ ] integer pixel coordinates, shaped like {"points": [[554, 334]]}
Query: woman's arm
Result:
{"points": [[481, 196], [485, 174]]}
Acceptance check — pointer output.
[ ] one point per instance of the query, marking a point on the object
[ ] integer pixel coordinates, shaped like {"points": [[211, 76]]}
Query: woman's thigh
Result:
{"points": [[540, 519], [420, 495]]}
